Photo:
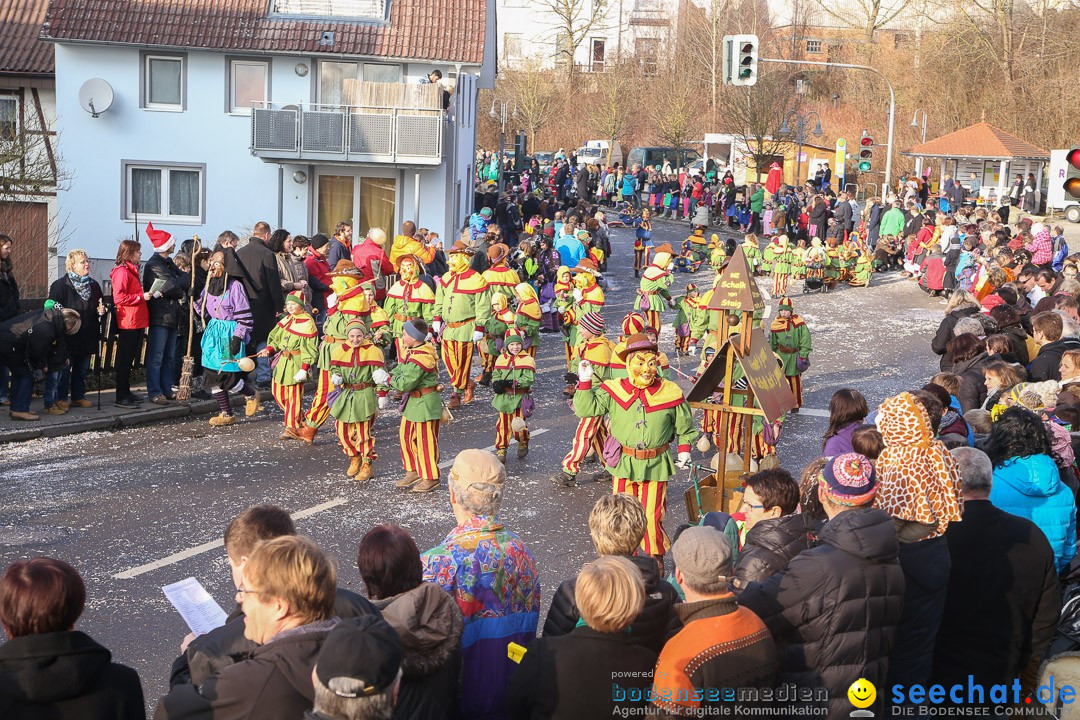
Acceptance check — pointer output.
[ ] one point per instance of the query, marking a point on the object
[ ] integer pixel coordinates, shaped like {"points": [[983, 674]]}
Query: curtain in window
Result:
{"points": [[145, 191], [184, 192], [165, 81], [249, 85], [335, 201], [332, 77], [378, 197]]}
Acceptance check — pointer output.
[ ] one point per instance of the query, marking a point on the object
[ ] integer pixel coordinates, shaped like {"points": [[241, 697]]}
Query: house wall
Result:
{"points": [[240, 189]]}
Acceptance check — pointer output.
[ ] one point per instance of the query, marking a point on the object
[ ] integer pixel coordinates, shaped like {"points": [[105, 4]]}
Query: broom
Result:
{"points": [[183, 395]]}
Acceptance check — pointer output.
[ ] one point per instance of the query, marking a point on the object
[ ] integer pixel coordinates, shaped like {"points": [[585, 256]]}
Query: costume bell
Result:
{"points": [[653, 294], [527, 317], [408, 298], [462, 308], [514, 373], [416, 376], [356, 367], [592, 432], [224, 307], [345, 304], [647, 413], [293, 344], [502, 318], [789, 337]]}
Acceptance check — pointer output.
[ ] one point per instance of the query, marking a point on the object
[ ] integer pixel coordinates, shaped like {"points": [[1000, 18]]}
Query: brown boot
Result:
{"points": [[222, 419], [455, 401], [425, 486], [411, 478], [366, 472], [469, 392], [307, 434], [523, 449], [354, 466], [16, 415], [252, 406]]}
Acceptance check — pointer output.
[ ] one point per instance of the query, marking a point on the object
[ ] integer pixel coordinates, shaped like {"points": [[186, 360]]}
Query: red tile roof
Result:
{"points": [[21, 52], [436, 30], [981, 140]]}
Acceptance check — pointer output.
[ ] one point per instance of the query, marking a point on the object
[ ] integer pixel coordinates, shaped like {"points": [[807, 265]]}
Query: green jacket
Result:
{"points": [[757, 201], [408, 300], [642, 419], [462, 298], [892, 222], [419, 369], [355, 366], [519, 369], [654, 286], [295, 343], [496, 328], [793, 334]]}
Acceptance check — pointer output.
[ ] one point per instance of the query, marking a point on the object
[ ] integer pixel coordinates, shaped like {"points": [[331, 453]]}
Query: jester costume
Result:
{"points": [[687, 309], [635, 323], [527, 317], [224, 307], [408, 298], [501, 319], [498, 276], [586, 296], [416, 376], [647, 413], [642, 239], [352, 400], [653, 294], [781, 263], [789, 337], [294, 346], [462, 307], [513, 376], [592, 432]]}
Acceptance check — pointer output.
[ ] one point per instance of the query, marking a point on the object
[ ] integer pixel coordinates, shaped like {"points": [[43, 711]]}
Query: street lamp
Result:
{"points": [[915, 124], [503, 105], [800, 135]]}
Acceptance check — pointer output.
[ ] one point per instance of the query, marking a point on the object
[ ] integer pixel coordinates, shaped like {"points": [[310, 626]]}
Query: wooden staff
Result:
{"points": [[184, 393]]}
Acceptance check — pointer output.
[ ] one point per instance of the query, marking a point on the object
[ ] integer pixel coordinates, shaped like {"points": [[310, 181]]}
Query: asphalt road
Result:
{"points": [[137, 509]]}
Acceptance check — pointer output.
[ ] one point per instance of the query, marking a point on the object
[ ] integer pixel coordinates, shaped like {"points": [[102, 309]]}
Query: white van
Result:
{"points": [[595, 152]]}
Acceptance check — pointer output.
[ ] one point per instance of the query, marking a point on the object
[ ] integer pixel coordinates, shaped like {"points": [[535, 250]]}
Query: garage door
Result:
{"points": [[28, 225]]}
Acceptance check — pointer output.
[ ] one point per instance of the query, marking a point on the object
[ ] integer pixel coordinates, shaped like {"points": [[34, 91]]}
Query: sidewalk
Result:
{"points": [[110, 417]]}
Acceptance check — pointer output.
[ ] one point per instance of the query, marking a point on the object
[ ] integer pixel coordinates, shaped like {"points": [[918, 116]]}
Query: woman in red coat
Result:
{"points": [[132, 317]]}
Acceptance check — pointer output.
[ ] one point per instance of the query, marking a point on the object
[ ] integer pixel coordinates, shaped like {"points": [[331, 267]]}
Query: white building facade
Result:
{"points": [[210, 132]]}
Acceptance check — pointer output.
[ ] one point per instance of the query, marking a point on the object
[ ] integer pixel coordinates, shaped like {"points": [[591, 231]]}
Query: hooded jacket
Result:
{"points": [[940, 343], [430, 625], [654, 626], [972, 381], [66, 676], [35, 340], [1047, 365], [769, 547], [833, 611], [1030, 487]]}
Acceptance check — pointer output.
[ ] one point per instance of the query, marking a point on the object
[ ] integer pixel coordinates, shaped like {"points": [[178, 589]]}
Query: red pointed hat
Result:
{"points": [[163, 241]]}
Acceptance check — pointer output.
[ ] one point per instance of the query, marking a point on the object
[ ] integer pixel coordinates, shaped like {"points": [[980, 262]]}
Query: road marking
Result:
{"points": [[814, 413], [491, 448], [214, 544]]}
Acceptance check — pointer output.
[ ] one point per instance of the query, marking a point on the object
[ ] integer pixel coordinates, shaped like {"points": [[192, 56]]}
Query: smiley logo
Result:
{"points": [[862, 693]]}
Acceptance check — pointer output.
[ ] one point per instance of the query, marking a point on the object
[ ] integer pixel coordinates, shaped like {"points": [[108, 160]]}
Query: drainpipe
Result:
{"points": [[280, 195]]}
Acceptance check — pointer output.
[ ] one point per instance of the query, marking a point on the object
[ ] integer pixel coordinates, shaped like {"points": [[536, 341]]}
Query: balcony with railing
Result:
{"points": [[384, 123]]}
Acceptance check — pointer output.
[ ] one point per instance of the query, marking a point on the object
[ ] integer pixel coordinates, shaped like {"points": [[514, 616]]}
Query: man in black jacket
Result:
{"points": [[1004, 598], [844, 214], [162, 279], [617, 525], [262, 282], [774, 534], [1047, 330], [31, 343], [833, 611]]}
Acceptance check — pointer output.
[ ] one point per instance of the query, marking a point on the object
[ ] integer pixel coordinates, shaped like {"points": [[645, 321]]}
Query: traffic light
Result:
{"points": [[1072, 173], [740, 60], [866, 152], [520, 151]]}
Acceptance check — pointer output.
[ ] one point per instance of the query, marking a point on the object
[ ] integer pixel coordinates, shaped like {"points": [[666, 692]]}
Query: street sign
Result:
{"points": [[840, 161], [736, 290]]}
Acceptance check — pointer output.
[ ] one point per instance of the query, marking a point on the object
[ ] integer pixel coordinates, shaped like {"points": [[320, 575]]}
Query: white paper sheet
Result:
{"points": [[200, 611]]}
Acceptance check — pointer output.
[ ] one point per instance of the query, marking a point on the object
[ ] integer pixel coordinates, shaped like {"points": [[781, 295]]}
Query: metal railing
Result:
{"points": [[347, 132]]}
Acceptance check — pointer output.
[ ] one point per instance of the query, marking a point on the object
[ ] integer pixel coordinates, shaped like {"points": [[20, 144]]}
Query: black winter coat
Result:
{"points": [[571, 677], [843, 215], [1047, 364], [940, 343], [926, 566], [262, 283], [84, 342], [164, 310], [66, 676], [34, 340], [972, 381], [769, 547], [9, 292], [833, 611], [1003, 600], [873, 222], [651, 629]]}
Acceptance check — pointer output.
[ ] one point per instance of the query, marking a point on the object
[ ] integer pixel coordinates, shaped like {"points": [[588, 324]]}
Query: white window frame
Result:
{"points": [[818, 44], [230, 82], [364, 65], [127, 195], [146, 57], [592, 53], [520, 37], [13, 97]]}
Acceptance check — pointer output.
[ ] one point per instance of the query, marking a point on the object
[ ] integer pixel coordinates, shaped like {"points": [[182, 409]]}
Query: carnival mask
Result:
{"points": [[217, 264], [458, 262], [642, 367], [584, 280], [407, 271]]}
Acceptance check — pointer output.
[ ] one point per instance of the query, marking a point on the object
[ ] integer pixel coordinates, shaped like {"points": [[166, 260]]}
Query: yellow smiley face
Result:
{"points": [[862, 693]]}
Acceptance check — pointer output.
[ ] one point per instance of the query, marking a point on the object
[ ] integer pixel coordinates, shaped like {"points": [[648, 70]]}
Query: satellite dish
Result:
{"points": [[95, 96]]}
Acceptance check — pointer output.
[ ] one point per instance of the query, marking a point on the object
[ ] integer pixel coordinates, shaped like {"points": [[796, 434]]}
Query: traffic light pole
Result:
{"points": [[892, 104]]}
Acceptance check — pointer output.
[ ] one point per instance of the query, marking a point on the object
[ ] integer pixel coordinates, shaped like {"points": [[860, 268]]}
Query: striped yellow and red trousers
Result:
{"points": [[356, 439], [487, 360], [571, 354], [653, 316], [758, 447], [795, 382], [457, 356], [290, 398], [591, 432], [420, 447], [653, 497], [503, 431], [319, 411]]}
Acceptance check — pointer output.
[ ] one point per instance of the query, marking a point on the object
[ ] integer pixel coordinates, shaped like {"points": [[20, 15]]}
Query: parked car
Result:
{"points": [[656, 156]]}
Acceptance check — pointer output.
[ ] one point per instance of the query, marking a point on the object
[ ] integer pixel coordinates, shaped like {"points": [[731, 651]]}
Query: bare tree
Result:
{"points": [[702, 41], [610, 109], [534, 92], [676, 113], [866, 15], [756, 114], [574, 21]]}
